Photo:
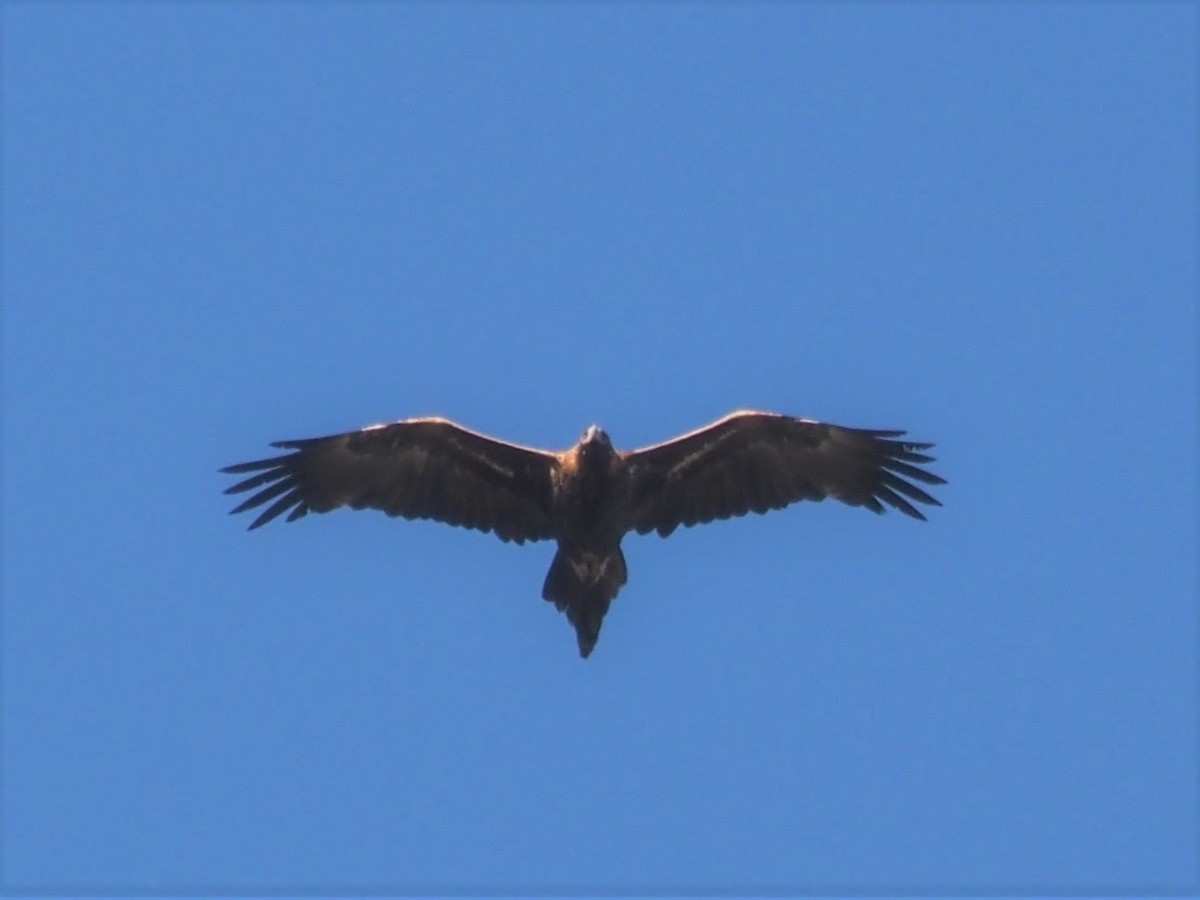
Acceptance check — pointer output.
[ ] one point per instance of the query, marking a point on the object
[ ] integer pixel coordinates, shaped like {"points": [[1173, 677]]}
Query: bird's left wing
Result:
{"points": [[428, 468], [755, 461]]}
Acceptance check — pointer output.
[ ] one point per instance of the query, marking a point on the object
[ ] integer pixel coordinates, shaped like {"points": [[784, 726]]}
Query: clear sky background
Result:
{"points": [[226, 224]]}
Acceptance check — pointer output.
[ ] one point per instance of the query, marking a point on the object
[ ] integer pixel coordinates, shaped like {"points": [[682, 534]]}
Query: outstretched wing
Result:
{"points": [[419, 468], [754, 462]]}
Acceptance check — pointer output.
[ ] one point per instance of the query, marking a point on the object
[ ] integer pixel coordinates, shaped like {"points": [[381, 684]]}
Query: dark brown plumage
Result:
{"points": [[589, 497]]}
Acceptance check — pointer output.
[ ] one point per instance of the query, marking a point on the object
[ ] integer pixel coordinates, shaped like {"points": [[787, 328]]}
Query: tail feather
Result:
{"points": [[583, 586]]}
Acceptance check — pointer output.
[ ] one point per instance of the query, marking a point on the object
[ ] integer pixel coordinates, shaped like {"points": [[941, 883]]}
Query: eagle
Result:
{"points": [[589, 497]]}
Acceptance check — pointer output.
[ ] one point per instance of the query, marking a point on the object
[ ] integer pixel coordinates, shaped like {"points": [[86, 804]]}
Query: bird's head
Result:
{"points": [[595, 441]]}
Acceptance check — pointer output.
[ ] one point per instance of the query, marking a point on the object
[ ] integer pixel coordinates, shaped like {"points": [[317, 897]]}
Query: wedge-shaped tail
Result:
{"points": [[583, 584]]}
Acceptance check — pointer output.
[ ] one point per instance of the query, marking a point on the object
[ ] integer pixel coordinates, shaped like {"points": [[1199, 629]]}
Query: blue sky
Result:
{"points": [[226, 224]]}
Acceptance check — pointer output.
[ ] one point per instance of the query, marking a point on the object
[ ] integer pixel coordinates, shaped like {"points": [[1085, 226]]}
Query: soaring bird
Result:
{"points": [[589, 497]]}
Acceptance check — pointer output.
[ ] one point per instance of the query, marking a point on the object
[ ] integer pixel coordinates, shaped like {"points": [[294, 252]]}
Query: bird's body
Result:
{"points": [[592, 492], [589, 497]]}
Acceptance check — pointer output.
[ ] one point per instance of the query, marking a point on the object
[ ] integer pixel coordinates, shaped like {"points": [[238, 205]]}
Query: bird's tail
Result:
{"points": [[583, 585]]}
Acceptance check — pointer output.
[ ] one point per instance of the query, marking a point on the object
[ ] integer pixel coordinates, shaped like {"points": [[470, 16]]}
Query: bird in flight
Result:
{"points": [[589, 497]]}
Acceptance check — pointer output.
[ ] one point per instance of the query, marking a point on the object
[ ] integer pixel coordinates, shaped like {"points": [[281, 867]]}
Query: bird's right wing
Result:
{"points": [[427, 468]]}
